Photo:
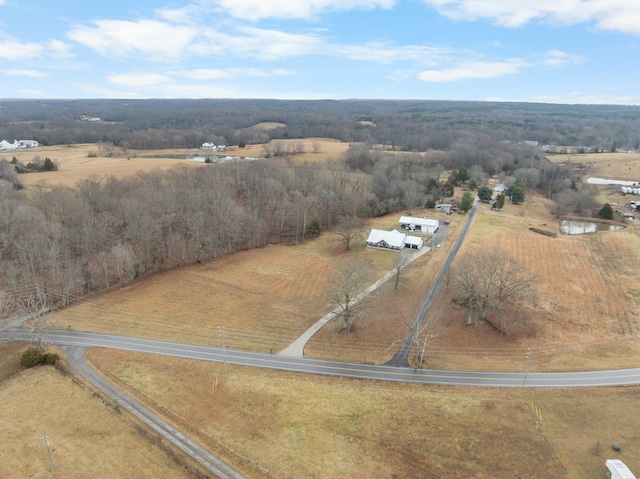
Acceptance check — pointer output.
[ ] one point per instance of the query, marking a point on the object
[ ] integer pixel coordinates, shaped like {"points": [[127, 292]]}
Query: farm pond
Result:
{"points": [[573, 227]]}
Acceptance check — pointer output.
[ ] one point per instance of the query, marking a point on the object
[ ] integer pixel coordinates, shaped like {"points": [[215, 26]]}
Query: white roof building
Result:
{"points": [[413, 242], [386, 239], [6, 146], [394, 240], [421, 224], [618, 469]]}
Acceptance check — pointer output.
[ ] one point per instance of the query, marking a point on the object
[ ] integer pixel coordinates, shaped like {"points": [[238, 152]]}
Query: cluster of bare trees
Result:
{"points": [[71, 241], [490, 282]]}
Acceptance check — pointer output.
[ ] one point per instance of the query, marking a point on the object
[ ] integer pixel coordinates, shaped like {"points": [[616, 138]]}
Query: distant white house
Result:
{"points": [[393, 240], [6, 146], [17, 144], [213, 147], [499, 189], [28, 144], [425, 225]]}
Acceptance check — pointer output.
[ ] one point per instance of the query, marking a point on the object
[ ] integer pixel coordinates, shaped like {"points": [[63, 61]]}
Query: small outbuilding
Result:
{"points": [[444, 207], [419, 224]]}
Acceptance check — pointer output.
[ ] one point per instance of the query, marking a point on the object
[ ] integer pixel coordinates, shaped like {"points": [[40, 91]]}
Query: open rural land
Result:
{"points": [[260, 274]]}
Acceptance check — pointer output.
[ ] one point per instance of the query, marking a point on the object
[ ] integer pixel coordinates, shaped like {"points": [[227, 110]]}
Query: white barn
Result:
{"points": [[419, 224], [28, 143]]}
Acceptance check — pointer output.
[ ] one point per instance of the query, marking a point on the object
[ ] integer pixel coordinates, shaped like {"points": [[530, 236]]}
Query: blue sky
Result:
{"points": [[557, 51]]}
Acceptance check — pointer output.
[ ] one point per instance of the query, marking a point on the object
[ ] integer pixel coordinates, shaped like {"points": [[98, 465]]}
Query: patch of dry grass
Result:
{"points": [[619, 165], [87, 439], [294, 425], [75, 163]]}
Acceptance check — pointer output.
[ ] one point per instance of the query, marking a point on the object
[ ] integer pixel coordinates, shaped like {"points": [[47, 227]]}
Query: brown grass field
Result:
{"points": [[87, 439], [274, 424], [75, 164]]}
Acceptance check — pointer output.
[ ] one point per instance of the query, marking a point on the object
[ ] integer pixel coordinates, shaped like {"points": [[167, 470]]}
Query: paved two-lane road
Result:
{"points": [[335, 368]]}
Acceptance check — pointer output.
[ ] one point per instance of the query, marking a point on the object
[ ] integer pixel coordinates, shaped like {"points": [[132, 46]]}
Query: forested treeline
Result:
{"points": [[407, 125], [62, 243]]}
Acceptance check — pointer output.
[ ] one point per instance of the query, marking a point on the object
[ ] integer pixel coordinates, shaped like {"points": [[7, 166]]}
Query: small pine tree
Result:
{"points": [[606, 212]]}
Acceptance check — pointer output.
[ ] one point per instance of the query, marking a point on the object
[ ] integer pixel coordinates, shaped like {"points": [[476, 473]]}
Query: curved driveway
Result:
{"points": [[334, 368]]}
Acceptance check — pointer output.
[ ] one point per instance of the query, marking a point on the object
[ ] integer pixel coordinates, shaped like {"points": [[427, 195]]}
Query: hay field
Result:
{"points": [[87, 439], [587, 311], [264, 298], [292, 425], [588, 300], [620, 166], [75, 164]]}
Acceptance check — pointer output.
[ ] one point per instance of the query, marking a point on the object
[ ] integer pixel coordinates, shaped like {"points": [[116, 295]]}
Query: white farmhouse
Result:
{"points": [[393, 240], [6, 146], [419, 224], [386, 239]]}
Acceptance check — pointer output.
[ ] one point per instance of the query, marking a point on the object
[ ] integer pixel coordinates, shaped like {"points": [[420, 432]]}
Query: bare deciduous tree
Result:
{"points": [[349, 280], [349, 228], [487, 281], [423, 334], [400, 262]]}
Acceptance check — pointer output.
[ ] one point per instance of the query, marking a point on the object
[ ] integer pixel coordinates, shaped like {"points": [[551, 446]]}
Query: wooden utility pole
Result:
{"points": [[224, 349], [53, 469]]}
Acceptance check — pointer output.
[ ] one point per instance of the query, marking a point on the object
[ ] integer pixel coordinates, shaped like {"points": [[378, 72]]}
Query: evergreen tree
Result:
{"points": [[606, 212]]}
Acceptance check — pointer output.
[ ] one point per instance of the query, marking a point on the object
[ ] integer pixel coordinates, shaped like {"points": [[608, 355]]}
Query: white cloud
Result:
{"points": [[294, 9], [556, 58], [59, 50], [161, 41], [474, 70], [28, 92], [152, 39], [385, 53], [266, 44], [25, 73], [205, 74], [14, 50], [139, 80], [617, 15]]}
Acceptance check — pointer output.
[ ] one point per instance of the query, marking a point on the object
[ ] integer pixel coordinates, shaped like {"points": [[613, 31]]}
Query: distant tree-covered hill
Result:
{"points": [[408, 125]]}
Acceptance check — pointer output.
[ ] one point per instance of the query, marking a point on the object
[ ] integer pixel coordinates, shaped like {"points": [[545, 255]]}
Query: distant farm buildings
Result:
{"points": [[17, 144], [213, 147]]}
